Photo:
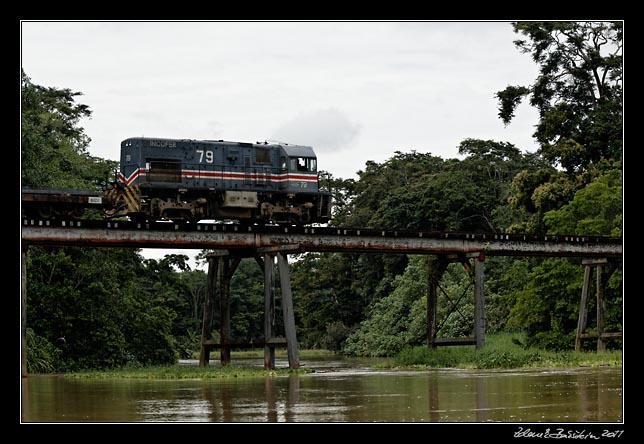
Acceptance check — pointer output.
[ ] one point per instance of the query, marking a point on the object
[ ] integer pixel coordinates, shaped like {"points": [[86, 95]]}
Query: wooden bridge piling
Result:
{"points": [[227, 269], [209, 308], [582, 321], [269, 310], [479, 300], [226, 262], [289, 316]]}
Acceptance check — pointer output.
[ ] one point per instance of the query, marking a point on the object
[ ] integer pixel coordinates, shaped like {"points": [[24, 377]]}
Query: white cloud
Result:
{"points": [[326, 130]]}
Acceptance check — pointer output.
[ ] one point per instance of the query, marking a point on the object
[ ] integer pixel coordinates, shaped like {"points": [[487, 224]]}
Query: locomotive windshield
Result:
{"points": [[304, 164]]}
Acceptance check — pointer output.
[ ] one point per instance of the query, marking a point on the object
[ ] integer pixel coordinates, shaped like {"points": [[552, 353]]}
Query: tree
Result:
{"points": [[422, 192], [99, 307], [324, 292], [544, 294], [595, 209], [378, 180], [54, 146], [395, 320], [578, 92], [188, 303], [247, 302]]}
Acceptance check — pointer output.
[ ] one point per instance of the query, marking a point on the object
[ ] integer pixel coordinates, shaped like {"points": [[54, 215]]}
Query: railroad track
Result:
{"points": [[310, 238]]}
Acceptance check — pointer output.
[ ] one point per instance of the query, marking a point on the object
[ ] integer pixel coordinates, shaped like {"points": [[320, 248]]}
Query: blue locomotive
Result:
{"points": [[191, 180]]}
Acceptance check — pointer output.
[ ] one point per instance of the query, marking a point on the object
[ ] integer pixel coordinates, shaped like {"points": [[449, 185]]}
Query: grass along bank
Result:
{"points": [[501, 350], [184, 372], [212, 371]]}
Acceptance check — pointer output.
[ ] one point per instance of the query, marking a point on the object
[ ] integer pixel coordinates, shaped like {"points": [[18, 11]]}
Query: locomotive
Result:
{"points": [[192, 180]]}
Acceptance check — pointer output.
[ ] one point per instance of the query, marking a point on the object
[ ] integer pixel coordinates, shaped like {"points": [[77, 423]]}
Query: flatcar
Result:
{"points": [[191, 180], [63, 203]]}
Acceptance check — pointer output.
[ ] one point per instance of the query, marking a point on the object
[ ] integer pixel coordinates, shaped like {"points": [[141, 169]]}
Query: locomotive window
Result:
{"points": [[303, 164], [262, 155]]}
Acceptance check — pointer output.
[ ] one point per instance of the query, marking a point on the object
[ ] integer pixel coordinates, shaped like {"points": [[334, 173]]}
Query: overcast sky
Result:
{"points": [[354, 91]]}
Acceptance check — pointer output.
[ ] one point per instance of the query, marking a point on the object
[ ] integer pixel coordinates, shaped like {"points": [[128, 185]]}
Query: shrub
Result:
{"points": [[433, 357], [42, 355], [336, 334], [552, 340]]}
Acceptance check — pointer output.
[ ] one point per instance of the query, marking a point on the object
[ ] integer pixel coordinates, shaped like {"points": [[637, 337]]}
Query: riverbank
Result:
{"points": [[502, 351]]}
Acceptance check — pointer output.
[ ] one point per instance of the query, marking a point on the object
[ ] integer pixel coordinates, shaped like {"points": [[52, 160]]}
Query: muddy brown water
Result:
{"points": [[339, 390]]}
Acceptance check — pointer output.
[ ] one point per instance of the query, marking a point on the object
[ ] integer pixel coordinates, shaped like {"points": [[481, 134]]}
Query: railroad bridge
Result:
{"points": [[271, 245]]}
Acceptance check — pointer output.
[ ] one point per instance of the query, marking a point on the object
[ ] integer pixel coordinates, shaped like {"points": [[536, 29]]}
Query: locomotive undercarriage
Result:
{"points": [[246, 206]]}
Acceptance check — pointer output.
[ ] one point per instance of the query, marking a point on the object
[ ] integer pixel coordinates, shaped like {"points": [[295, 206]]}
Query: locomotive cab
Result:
{"points": [[300, 164]]}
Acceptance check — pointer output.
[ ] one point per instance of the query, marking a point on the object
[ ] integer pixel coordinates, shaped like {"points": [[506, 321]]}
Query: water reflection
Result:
{"points": [[341, 395]]}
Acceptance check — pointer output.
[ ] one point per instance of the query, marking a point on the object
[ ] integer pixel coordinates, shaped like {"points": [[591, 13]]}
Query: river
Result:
{"points": [[339, 390]]}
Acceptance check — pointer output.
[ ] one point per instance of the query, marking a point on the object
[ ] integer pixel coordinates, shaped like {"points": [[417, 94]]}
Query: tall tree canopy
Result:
{"points": [[578, 91], [54, 145], [424, 192], [579, 96]]}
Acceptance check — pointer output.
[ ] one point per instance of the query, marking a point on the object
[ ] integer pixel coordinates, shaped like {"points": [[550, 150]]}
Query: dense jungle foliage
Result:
{"points": [[108, 307]]}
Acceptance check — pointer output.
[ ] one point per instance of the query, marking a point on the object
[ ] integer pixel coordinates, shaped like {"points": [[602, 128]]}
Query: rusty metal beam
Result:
{"points": [[319, 241]]}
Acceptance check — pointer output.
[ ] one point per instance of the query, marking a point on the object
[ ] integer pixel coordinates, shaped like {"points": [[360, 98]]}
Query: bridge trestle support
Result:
{"points": [[436, 269], [600, 284], [224, 263]]}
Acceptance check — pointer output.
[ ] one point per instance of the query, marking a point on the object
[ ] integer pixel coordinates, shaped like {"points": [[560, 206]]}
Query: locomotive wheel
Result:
{"points": [[45, 212], [75, 213]]}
